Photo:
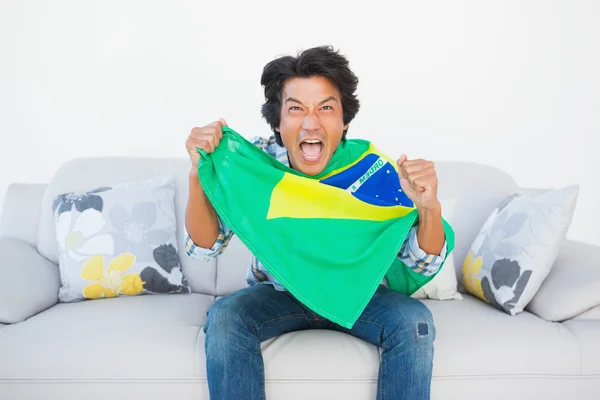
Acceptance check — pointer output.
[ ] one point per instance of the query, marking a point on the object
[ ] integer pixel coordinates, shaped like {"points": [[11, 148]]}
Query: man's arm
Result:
{"points": [[431, 230], [201, 219], [207, 236], [425, 248], [415, 258]]}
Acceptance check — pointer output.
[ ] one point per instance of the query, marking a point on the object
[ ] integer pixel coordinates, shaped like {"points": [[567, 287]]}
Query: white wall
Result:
{"points": [[513, 84]]}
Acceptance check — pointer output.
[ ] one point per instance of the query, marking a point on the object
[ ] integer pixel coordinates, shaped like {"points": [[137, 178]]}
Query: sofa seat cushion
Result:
{"points": [[474, 339], [144, 337], [318, 355], [153, 346], [587, 334], [160, 337]]}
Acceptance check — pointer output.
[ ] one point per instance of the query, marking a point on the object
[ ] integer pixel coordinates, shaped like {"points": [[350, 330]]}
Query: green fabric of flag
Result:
{"points": [[328, 239]]}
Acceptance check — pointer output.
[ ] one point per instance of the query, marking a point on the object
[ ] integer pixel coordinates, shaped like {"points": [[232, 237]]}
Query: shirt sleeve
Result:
{"points": [[418, 260], [200, 253]]}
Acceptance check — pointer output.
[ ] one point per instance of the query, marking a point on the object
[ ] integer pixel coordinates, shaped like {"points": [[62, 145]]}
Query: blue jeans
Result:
{"points": [[238, 323]]}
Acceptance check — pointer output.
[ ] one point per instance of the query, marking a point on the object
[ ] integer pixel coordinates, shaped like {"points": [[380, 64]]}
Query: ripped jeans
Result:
{"points": [[237, 324]]}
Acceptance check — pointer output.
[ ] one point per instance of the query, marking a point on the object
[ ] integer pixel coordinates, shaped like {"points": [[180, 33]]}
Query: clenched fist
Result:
{"points": [[419, 182], [206, 138]]}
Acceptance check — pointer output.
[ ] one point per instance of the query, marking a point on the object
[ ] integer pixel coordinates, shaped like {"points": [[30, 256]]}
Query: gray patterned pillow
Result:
{"points": [[517, 246], [118, 240]]}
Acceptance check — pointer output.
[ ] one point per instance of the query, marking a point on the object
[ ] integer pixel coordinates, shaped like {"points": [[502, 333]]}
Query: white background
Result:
{"points": [[511, 84]]}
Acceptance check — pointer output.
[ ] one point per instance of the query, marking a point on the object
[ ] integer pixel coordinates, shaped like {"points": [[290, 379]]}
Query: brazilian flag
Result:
{"points": [[328, 239]]}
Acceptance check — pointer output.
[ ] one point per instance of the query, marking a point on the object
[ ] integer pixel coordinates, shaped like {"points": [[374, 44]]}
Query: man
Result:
{"points": [[310, 102]]}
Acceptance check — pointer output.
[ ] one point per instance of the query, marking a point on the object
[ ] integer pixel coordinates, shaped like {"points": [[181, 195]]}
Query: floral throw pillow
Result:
{"points": [[118, 240], [517, 246]]}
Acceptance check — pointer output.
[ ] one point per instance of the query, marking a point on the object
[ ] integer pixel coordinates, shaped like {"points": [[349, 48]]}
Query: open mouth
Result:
{"points": [[311, 149]]}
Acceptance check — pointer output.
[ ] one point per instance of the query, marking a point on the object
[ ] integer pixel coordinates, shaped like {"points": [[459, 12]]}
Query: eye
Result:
{"points": [[294, 108], [327, 108]]}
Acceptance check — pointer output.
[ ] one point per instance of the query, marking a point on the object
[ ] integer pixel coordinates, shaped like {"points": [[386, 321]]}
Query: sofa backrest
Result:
{"points": [[468, 193]]}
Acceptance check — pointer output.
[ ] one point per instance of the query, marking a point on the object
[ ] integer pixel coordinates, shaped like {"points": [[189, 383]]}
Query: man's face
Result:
{"points": [[312, 122]]}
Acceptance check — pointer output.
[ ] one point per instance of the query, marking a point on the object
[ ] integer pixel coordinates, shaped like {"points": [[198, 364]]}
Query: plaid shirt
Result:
{"points": [[410, 253]]}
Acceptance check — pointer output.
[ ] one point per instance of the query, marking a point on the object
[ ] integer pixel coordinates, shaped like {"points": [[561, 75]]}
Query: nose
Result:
{"points": [[310, 122]]}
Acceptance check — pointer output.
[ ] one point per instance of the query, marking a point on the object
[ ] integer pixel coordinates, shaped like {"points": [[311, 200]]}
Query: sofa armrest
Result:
{"points": [[593, 314], [572, 286], [29, 283], [21, 211]]}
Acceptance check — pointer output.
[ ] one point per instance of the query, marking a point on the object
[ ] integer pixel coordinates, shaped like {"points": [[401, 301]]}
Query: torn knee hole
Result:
{"points": [[422, 329]]}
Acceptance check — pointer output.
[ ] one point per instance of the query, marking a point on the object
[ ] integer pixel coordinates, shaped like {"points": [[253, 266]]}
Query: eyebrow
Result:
{"points": [[299, 102]]}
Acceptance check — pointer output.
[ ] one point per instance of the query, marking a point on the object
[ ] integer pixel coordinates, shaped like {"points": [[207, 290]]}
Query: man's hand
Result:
{"points": [[419, 182], [206, 138]]}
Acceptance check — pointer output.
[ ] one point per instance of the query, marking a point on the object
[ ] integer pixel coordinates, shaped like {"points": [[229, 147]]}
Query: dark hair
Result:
{"points": [[317, 61]]}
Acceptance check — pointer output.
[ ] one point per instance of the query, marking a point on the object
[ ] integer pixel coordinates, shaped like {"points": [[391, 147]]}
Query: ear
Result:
{"points": [[346, 127], [277, 129]]}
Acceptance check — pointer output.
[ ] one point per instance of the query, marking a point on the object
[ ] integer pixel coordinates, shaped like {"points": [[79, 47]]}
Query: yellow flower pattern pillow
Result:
{"points": [[471, 276], [111, 280], [118, 240], [517, 246]]}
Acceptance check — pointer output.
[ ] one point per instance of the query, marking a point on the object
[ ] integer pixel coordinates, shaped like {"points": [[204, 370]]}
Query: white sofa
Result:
{"points": [[152, 346]]}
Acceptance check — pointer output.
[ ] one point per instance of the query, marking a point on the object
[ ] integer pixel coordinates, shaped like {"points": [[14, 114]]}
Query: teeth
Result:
{"points": [[312, 141]]}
